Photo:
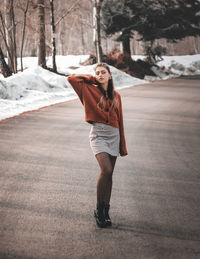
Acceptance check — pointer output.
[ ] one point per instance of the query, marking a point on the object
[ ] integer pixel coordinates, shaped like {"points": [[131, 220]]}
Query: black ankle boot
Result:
{"points": [[106, 213], [99, 215]]}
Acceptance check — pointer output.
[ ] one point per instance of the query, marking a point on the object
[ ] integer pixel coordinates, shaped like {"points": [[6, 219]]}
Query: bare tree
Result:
{"points": [[72, 8], [53, 36], [23, 32], [41, 44], [97, 31], [3, 65], [10, 30], [3, 34], [54, 25], [82, 34]]}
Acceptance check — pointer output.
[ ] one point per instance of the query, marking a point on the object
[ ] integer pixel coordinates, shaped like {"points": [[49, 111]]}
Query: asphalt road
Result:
{"points": [[48, 180]]}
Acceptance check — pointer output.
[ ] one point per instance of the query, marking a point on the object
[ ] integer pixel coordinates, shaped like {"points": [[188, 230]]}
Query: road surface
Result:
{"points": [[49, 174]]}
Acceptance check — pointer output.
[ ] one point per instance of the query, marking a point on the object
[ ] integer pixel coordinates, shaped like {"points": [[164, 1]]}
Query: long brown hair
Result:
{"points": [[110, 91]]}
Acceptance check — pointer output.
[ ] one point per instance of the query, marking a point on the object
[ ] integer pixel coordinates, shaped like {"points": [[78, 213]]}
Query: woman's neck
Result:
{"points": [[105, 86]]}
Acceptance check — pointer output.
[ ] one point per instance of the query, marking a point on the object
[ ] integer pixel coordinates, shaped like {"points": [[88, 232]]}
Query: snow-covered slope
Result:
{"points": [[36, 87]]}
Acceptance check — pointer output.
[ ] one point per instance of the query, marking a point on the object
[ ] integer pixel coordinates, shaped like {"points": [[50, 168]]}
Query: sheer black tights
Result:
{"points": [[104, 183]]}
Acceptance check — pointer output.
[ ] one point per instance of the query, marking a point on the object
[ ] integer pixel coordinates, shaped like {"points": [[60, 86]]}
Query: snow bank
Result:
{"points": [[36, 87], [172, 66], [32, 89], [37, 78], [11, 91], [181, 65]]}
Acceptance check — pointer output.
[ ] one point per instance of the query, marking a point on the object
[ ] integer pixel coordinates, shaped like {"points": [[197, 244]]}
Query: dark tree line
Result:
{"points": [[151, 19]]}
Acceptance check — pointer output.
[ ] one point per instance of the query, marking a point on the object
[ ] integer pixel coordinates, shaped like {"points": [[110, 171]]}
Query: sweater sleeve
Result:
{"points": [[78, 81], [123, 149]]}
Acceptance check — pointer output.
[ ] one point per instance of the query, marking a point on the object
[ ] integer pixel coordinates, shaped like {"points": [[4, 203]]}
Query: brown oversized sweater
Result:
{"points": [[90, 95]]}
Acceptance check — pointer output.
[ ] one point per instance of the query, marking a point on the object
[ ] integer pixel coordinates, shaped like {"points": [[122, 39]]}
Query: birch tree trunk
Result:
{"points": [[3, 32], [53, 36], [41, 43], [10, 27], [97, 31], [14, 37], [82, 35], [3, 65], [23, 34]]}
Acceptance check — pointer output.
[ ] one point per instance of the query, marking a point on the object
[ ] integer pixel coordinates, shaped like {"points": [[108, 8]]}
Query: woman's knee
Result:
{"points": [[105, 164], [107, 171]]}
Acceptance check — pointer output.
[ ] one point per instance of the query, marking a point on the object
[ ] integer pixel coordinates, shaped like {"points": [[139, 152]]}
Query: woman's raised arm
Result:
{"points": [[78, 81]]}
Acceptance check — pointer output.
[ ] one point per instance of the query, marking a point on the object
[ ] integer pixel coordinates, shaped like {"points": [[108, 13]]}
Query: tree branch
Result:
{"points": [[68, 12]]}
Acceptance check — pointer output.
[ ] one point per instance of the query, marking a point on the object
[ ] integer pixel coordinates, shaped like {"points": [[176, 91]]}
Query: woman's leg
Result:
{"points": [[109, 186], [104, 187], [104, 183]]}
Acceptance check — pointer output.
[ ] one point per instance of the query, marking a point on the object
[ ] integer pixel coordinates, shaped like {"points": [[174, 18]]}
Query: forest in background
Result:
{"points": [[74, 31]]}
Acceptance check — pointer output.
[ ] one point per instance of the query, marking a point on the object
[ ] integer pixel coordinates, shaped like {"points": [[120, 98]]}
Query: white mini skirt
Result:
{"points": [[104, 138]]}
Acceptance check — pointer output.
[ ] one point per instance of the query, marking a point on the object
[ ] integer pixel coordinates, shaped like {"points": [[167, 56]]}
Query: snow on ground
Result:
{"points": [[181, 65], [178, 65], [36, 87], [63, 62]]}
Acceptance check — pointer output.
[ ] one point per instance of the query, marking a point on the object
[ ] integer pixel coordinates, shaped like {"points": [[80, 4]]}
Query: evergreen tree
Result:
{"points": [[117, 17], [152, 19], [172, 19]]}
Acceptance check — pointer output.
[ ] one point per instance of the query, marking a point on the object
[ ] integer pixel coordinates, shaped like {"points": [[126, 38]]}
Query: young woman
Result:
{"points": [[103, 109]]}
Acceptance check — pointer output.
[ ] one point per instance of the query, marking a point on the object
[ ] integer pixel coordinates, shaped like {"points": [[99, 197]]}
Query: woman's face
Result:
{"points": [[102, 75]]}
